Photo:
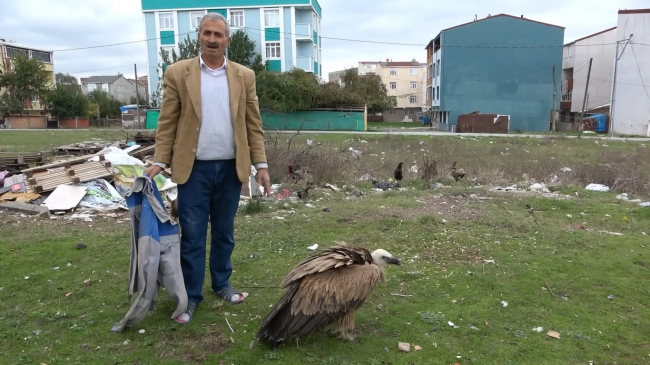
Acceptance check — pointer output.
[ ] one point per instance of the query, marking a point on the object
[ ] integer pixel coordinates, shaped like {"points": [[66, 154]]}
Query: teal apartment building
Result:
{"points": [[501, 64], [285, 32]]}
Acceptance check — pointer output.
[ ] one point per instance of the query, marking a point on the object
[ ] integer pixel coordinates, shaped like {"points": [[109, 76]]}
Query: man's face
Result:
{"points": [[213, 38]]}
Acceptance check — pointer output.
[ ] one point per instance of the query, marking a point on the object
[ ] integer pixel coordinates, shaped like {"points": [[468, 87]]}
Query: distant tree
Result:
{"points": [[65, 79], [140, 100], [27, 80], [370, 88], [109, 107], [65, 102], [287, 91]]}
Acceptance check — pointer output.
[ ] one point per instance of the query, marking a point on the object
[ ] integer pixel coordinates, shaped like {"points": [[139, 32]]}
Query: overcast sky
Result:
{"points": [[59, 25]]}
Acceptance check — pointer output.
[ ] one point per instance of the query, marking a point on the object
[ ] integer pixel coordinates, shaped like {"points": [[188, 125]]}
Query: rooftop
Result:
{"points": [[492, 17], [100, 79], [591, 35]]}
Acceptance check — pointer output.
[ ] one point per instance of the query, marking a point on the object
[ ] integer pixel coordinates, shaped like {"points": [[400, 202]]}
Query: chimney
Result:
{"points": [[387, 60], [522, 16]]}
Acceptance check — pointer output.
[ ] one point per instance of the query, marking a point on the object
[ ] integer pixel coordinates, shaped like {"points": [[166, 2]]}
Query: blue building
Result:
{"points": [[501, 64], [285, 32]]}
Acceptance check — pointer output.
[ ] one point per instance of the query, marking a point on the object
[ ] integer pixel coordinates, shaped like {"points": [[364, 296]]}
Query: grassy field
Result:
{"points": [[577, 265]]}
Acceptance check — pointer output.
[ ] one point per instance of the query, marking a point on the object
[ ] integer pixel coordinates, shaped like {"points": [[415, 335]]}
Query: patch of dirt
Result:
{"points": [[192, 347], [447, 207], [456, 254]]}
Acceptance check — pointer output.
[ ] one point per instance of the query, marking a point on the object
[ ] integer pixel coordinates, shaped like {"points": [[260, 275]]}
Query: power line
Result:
{"points": [[99, 69], [354, 40], [639, 69]]}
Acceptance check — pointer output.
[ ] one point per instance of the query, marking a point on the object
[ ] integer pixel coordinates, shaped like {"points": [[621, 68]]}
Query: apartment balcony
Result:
{"points": [[305, 62], [304, 32]]}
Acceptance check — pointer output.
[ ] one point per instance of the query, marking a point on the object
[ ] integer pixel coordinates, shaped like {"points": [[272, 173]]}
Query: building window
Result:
{"points": [[414, 85], [438, 92], [166, 21], [273, 50], [413, 99], [414, 71], [438, 69], [13, 52], [393, 72], [407, 112], [41, 56], [105, 87], [90, 87], [237, 18], [272, 18], [393, 85], [392, 111], [195, 19]]}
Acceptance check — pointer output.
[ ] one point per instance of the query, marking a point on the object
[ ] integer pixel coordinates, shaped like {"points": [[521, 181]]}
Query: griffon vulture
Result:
{"points": [[324, 290]]}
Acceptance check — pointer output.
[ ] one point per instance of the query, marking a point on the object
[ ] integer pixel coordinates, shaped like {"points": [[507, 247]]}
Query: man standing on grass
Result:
{"points": [[210, 131]]}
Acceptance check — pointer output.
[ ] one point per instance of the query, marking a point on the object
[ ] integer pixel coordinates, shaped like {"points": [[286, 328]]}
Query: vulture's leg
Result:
{"points": [[345, 325]]}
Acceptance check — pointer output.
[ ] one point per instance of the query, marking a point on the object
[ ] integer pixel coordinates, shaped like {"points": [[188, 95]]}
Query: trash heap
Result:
{"points": [[83, 178]]}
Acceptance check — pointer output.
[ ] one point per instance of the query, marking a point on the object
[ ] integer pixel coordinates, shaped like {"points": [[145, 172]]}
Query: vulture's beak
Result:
{"points": [[394, 260]]}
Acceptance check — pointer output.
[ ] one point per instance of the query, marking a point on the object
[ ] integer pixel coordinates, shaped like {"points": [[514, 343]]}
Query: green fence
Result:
{"points": [[152, 118], [314, 120]]}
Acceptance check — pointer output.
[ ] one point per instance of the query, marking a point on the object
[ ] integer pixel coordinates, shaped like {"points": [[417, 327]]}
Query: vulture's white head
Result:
{"points": [[383, 258]]}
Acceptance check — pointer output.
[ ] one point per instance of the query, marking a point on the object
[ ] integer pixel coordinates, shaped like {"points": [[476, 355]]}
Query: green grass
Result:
{"points": [[443, 236], [45, 140], [443, 271]]}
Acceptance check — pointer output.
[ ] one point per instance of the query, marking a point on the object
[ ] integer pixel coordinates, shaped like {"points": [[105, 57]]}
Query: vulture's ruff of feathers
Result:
{"points": [[324, 290]]}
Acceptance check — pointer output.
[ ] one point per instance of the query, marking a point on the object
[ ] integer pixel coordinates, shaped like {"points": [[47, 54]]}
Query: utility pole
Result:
{"points": [[554, 100], [137, 95], [584, 100], [611, 105]]}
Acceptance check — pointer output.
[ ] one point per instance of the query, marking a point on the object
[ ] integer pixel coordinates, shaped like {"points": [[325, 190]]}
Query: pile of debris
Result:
{"points": [[93, 182]]}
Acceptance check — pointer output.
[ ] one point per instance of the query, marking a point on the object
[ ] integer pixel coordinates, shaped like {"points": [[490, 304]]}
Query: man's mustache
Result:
{"points": [[212, 45]]}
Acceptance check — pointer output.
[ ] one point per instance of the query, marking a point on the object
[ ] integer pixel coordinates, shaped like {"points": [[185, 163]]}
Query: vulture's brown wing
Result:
{"points": [[335, 291], [319, 300], [330, 258]]}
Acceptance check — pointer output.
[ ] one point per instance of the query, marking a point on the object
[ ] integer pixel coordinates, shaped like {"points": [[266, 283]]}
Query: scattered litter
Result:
{"points": [[554, 334], [310, 205], [473, 327], [125, 343], [313, 247], [141, 331], [539, 187], [610, 297], [26, 277], [327, 210], [538, 329], [81, 246], [451, 324], [488, 261], [504, 303], [597, 187], [566, 169], [612, 233], [65, 197], [333, 187], [569, 215], [404, 346], [645, 204], [417, 348], [277, 217]]}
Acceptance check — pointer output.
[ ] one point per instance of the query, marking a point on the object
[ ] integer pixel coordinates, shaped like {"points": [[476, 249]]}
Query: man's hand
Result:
{"points": [[152, 171], [263, 179]]}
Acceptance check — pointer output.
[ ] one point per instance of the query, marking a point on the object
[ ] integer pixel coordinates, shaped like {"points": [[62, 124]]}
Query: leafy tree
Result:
{"points": [[140, 100], [187, 48], [65, 79], [28, 79], [65, 102], [287, 91], [370, 88], [109, 107]]}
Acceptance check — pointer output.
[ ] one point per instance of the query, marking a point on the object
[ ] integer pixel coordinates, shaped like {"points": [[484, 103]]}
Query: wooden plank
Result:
{"points": [[76, 160]]}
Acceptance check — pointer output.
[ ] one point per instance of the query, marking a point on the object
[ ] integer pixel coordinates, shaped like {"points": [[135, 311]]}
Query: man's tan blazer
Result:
{"points": [[180, 118]]}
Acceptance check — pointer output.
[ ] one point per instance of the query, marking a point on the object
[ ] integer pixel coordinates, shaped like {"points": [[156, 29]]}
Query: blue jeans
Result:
{"points": [[213, 191]]}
